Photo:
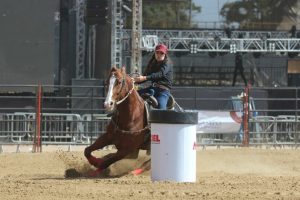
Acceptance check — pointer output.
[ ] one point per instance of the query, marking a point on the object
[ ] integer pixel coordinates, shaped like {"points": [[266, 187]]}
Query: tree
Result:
{"points": [[266, 14], [169, 14]]}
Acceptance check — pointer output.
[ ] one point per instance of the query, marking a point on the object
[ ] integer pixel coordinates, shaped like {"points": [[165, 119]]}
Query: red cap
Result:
{"points": [[162, 48]]}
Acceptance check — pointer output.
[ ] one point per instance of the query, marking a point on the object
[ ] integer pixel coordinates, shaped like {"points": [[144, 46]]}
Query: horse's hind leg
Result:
{"points": [[101, 142]]}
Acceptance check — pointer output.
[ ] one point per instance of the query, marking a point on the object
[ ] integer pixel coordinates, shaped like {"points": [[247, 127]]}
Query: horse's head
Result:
{"points": [[118, 88]]}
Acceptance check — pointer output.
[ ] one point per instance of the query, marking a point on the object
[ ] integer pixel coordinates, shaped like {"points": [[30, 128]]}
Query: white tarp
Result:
{"points": [[218, 122]]}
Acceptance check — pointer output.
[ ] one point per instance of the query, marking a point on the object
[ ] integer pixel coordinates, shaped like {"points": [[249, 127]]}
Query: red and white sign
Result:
{"points": [[155, 139]]}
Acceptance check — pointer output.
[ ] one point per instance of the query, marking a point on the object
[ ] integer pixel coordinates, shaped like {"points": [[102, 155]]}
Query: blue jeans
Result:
{"points": [[160, 95]]}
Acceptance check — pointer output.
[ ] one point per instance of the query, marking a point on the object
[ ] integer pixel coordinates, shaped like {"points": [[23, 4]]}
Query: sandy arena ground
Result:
{"points": [[231, 173]]}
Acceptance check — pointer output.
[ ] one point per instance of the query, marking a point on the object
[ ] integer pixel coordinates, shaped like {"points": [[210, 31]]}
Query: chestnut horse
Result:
{"points": [[128, 128]]}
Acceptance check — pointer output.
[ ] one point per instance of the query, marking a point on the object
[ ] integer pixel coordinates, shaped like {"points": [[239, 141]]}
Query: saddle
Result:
{"points": [[151, 100]]}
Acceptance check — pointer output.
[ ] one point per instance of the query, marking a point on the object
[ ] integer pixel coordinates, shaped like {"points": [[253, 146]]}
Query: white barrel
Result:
{"points": [[173, 146]]}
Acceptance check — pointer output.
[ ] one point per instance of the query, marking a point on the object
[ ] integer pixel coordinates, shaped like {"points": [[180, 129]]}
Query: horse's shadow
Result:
{"points": [[72, 173], [115, 171]]}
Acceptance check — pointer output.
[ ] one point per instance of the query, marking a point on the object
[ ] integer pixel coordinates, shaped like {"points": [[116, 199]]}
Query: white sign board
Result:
{"points": [[218, 122]]}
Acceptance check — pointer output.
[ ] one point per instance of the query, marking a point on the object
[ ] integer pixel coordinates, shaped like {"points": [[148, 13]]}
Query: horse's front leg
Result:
{"points": [[101, 142], [108, 160]]}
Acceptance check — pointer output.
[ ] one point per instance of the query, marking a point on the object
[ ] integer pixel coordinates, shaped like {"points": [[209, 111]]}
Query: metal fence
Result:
{"points": [[79, 119], [56, 128]]}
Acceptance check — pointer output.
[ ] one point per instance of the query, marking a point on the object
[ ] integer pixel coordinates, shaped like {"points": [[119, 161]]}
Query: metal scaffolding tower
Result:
{"points": [[80, 39], [133, 42], [117, 33], [136, 35]]}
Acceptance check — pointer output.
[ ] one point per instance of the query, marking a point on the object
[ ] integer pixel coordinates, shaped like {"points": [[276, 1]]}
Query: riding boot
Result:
{"points": [[150, 99], [145, 96]]}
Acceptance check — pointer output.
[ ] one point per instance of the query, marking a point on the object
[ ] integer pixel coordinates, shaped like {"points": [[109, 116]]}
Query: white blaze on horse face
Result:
{"points": [[109, 102]]}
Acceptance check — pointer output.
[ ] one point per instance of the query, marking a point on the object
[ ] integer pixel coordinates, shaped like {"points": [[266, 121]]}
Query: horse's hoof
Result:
{"points": [[96, 162], [137, 171], [96, 173]]}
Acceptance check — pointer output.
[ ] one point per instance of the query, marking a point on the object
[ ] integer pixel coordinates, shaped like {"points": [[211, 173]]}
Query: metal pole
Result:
{"points": [[37, 145], [92, 116], [296, 134], [246, 117]]}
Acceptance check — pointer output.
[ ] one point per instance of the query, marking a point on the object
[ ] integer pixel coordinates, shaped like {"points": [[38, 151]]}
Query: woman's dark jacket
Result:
{"points": [[159, 73]]}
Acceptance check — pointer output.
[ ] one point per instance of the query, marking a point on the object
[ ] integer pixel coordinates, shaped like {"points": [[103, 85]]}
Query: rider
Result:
{"points": [[160, 73]]}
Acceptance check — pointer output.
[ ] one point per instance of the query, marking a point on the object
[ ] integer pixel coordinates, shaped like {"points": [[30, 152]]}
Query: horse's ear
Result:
{"points": [[113, 68]]}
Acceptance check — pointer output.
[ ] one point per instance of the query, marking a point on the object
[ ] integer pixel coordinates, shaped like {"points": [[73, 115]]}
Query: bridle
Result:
{"points": [[119, 92]]}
